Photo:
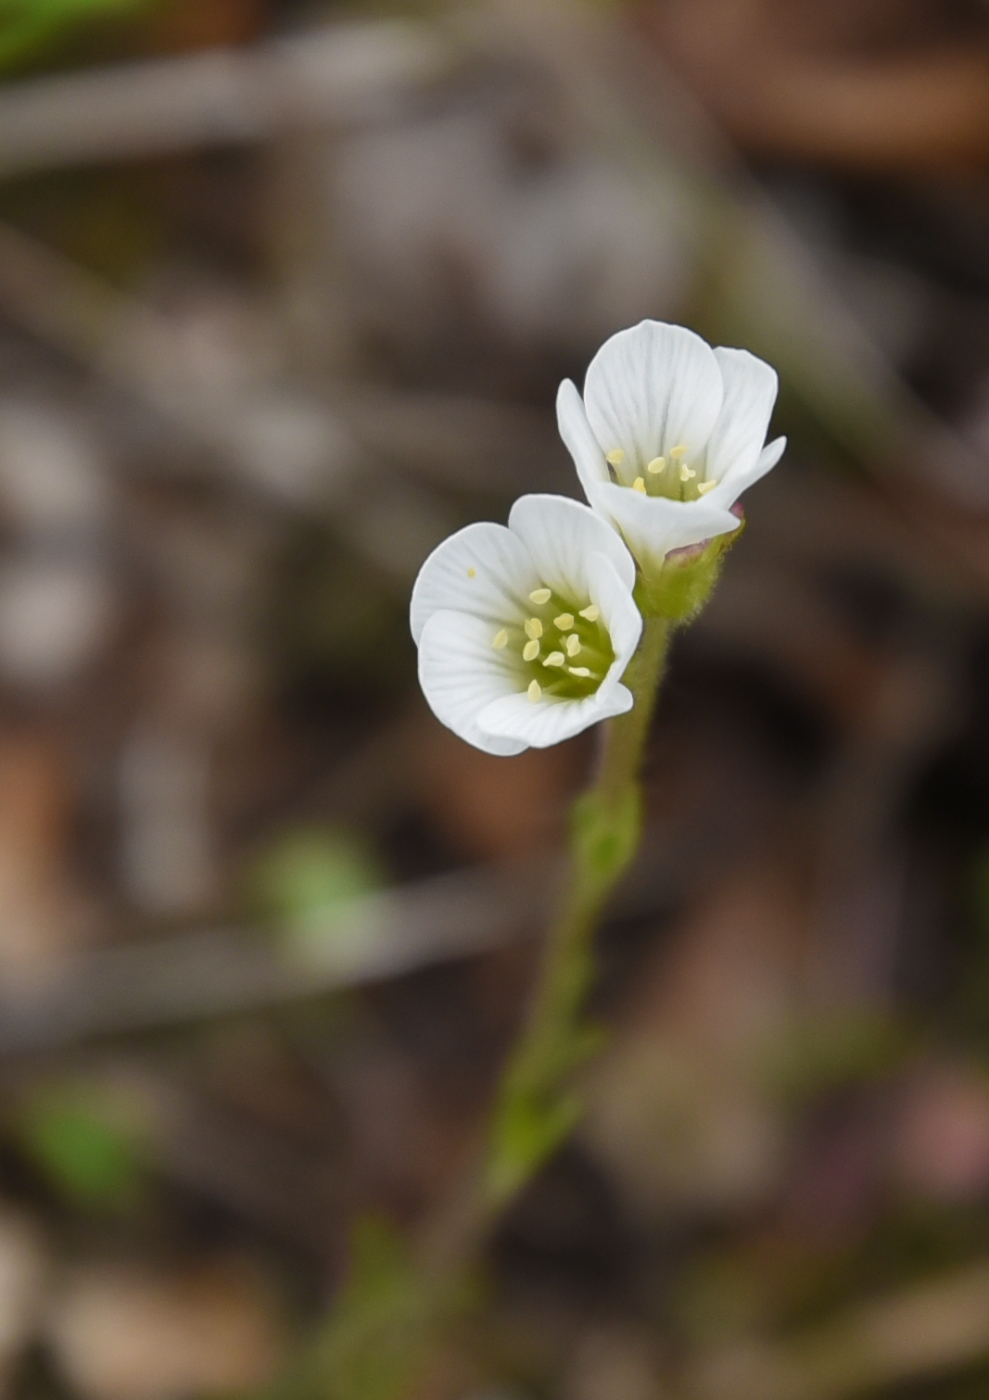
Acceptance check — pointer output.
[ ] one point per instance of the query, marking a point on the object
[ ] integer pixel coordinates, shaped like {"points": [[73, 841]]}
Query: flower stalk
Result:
{"points": [[537, 1107]]}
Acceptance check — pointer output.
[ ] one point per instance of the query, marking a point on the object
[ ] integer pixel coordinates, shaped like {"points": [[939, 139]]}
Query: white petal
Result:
{"points": [[651, 388], [653, 525], [618, 611], [461, 673], [551, 721], [483, 570], [580, 442], [727, 492], [750, 387], [560, 535]]}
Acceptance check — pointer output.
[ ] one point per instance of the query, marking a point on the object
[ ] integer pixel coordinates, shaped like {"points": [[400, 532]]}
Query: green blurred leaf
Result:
{"points": [[88, 1142], [27, 25], [312, 881], [386, 1321]]}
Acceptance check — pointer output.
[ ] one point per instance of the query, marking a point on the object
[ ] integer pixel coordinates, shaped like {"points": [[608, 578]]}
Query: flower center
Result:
{"points": [[671, 476], [561, 650]]}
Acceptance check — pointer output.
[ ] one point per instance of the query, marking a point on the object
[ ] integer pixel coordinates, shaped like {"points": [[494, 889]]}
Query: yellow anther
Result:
{"points": [[555, 658], [615, 457], [703, 487], [535, 690], [686, 472], [533, 628], [564, 622], [472, 573], [540, 595], [573, 644], [592, 613], [500, 640], [639, 484], [530, 651], [657, 465], [581, 671], [679, 451]]}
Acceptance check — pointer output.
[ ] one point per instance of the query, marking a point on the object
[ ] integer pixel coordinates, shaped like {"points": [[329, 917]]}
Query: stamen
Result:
{"points": [[639, 485], [686, 472], [657, 465], [500, 640], [615, 457], [472, 573], [535, 690], [564, 622], [540, 595], [555, 658], [533, 628], [530, 651], [592, 613], [581, 671], [573, 644], [704, 486], [679, 451]]}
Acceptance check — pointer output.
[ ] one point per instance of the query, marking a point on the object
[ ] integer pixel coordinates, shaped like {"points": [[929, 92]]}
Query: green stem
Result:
{"points": [[535, 1111], [394, 1310]]}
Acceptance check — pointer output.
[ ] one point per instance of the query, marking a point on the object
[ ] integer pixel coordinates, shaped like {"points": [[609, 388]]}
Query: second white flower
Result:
{"points": [[668, 435]]}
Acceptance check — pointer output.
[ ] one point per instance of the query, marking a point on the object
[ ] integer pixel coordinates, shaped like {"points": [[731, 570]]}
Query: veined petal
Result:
{"points": [[618, 611], [650, 388], [460, 674], [750, 388], [561, 535], [516, 718], [580, 442], [653, 525], [483, 570]]}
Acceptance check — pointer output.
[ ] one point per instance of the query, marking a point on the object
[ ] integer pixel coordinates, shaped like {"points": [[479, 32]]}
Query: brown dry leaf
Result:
{"points": [[778, 92], [39, 918], [127, 1333]]}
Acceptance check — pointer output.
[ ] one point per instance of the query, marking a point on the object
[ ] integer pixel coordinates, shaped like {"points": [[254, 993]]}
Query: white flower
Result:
{"points": [[525, 632], [668, 435]]}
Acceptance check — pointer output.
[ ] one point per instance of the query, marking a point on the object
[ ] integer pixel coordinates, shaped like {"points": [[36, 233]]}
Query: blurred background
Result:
{"points": [[286, 290]]}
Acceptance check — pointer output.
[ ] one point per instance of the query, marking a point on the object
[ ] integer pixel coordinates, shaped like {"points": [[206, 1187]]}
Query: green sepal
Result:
{"points": [[682, 584]]}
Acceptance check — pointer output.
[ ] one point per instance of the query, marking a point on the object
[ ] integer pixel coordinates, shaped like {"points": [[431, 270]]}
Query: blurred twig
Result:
{"points": [[333, 76], [220, 970], [922, 1332]]}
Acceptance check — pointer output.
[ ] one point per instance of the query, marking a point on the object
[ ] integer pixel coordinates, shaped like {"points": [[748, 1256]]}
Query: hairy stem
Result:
{"points": [[535, 1110]]}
